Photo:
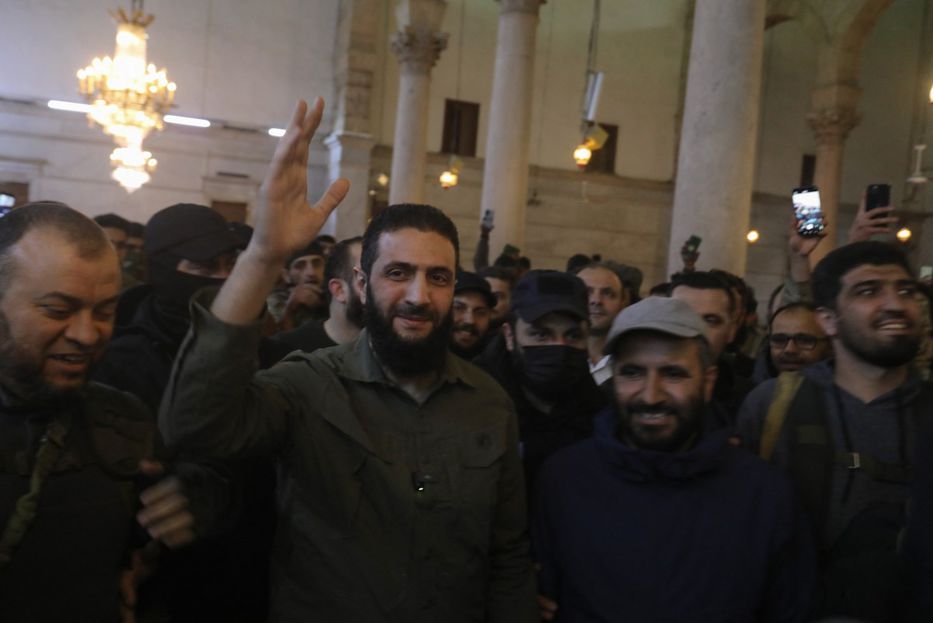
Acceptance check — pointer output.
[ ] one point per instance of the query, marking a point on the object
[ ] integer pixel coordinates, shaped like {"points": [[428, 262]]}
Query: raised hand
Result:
{"points": [[802, 246], [284, 221], [870, 223]]}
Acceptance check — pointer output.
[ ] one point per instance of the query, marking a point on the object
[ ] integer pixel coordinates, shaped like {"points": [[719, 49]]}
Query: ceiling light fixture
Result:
{"points": [[129, 97]]}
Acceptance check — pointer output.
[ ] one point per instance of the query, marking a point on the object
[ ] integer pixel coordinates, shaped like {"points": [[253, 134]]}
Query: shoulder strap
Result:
{"points": [[784, 391], [24, 512]]}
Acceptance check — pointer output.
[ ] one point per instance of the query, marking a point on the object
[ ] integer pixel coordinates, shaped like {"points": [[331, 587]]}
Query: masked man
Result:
{"points": [[541, 360]]}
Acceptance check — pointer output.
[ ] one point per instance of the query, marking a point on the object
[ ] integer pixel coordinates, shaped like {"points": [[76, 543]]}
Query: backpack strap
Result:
{"points": [[784, 391], [24, 512]]}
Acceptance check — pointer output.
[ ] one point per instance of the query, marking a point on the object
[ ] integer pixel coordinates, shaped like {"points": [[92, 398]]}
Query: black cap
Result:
{"points": [[471, 282], [312, 248], [541, 292], [190, 231]]}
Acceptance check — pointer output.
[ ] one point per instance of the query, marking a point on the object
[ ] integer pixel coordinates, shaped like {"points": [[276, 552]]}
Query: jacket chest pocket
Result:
{"points": [[478, 472]]}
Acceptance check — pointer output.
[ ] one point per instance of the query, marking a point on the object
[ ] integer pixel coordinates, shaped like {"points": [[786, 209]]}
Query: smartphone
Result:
{"points": [[692, 244], [807, 211], [926, 273], [488, 218], [877, 196]]}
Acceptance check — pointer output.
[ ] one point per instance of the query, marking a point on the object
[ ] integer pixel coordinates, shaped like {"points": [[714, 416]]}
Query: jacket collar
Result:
{"points": [[648, 465]]}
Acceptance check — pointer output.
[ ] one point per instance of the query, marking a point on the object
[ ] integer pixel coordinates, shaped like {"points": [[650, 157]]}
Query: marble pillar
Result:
{"points": [[349, 157], [716, 160], [350, 143], [505, 172], [418, 45], [833, 117]]}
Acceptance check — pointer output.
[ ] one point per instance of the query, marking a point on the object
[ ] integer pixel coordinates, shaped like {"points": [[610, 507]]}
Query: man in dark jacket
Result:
{"points": [[189, 247], [71, 451], [653, 519], [400, 487], [540, 359], [847, 430]]}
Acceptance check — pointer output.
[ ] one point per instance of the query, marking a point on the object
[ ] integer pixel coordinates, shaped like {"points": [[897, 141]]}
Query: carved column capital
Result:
{"points": [[520, 6], [831, 125], [418, 51]]}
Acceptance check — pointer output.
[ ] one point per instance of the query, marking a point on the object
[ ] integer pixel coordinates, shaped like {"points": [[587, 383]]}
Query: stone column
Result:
{"points": [[349, 157], [716, 160], [418, 45], [505, 173], [832, 118], [351, 142]]}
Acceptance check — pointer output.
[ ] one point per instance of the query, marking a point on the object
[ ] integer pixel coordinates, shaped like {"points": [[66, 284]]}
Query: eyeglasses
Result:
{"points": [[804, 341]]}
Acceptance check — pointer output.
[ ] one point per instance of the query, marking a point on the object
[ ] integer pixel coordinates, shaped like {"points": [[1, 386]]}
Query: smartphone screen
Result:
{"points": [[807, 211], [926, 272]]}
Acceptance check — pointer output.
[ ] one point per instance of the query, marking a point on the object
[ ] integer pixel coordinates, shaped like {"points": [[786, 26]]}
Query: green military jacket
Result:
{"points": [[389, 510]]}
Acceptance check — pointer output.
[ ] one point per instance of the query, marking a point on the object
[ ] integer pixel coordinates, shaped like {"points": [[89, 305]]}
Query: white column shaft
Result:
{"points": [[716, 163], [505, 174]]}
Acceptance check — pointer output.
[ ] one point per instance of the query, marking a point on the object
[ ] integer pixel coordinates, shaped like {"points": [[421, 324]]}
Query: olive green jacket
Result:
{"points": [[389, 510]]}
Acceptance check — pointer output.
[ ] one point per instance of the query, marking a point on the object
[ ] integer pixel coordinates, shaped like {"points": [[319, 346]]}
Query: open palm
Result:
{"points": [[284, 221]]}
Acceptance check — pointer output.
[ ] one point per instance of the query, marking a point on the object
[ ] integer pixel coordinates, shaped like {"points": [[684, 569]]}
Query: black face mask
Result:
{"points": [[174, 289], [552, 371]]}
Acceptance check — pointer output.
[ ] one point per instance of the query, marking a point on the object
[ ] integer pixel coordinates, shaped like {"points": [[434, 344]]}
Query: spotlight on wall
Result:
{"points": [[451, 176], [582, 155], [594, 137], [903, 235], [752, 236]]}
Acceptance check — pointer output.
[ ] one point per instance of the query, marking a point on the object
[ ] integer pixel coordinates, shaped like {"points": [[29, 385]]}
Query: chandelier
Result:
{"points": [[128, 97]]}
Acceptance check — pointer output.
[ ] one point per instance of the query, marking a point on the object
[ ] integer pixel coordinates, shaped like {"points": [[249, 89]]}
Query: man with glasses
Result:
{"points": [[796, 338], [845, 429]]}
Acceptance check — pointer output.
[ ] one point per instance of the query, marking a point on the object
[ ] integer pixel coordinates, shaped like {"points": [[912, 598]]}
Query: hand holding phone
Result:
{"points": [[877, 196], [690, 252], [877, 218], [486, 223], [808, 212]]}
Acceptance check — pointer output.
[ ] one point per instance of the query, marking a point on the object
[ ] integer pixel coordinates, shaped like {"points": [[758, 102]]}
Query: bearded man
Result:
{"points": [[845, 430], [400, 486], [73, 452], [657, 517]]}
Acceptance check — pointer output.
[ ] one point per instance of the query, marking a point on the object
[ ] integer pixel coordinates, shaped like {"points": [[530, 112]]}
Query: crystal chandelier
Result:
{"points": [[128, 97]]}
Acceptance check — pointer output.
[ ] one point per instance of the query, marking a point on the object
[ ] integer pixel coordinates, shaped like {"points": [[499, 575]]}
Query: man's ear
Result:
{"points": [[338, 290], [509, 336], [709, 382], [828, 320], [359, 282]]}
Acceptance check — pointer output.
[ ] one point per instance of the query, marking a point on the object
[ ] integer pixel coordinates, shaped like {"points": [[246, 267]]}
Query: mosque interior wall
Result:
{"points": [[245, 63]]}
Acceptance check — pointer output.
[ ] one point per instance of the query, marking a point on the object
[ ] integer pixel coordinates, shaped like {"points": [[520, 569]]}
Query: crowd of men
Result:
{"points": [[207, 422]]}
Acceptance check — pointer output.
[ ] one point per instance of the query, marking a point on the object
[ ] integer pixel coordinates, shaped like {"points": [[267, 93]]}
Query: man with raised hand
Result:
{"points": [[401, 491]]}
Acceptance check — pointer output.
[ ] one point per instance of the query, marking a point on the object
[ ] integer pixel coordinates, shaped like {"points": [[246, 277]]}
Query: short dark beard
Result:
{"points": [[900, 351], [406, 358], [690, 425], [355, 313], [468, 354], [22, 377]]}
